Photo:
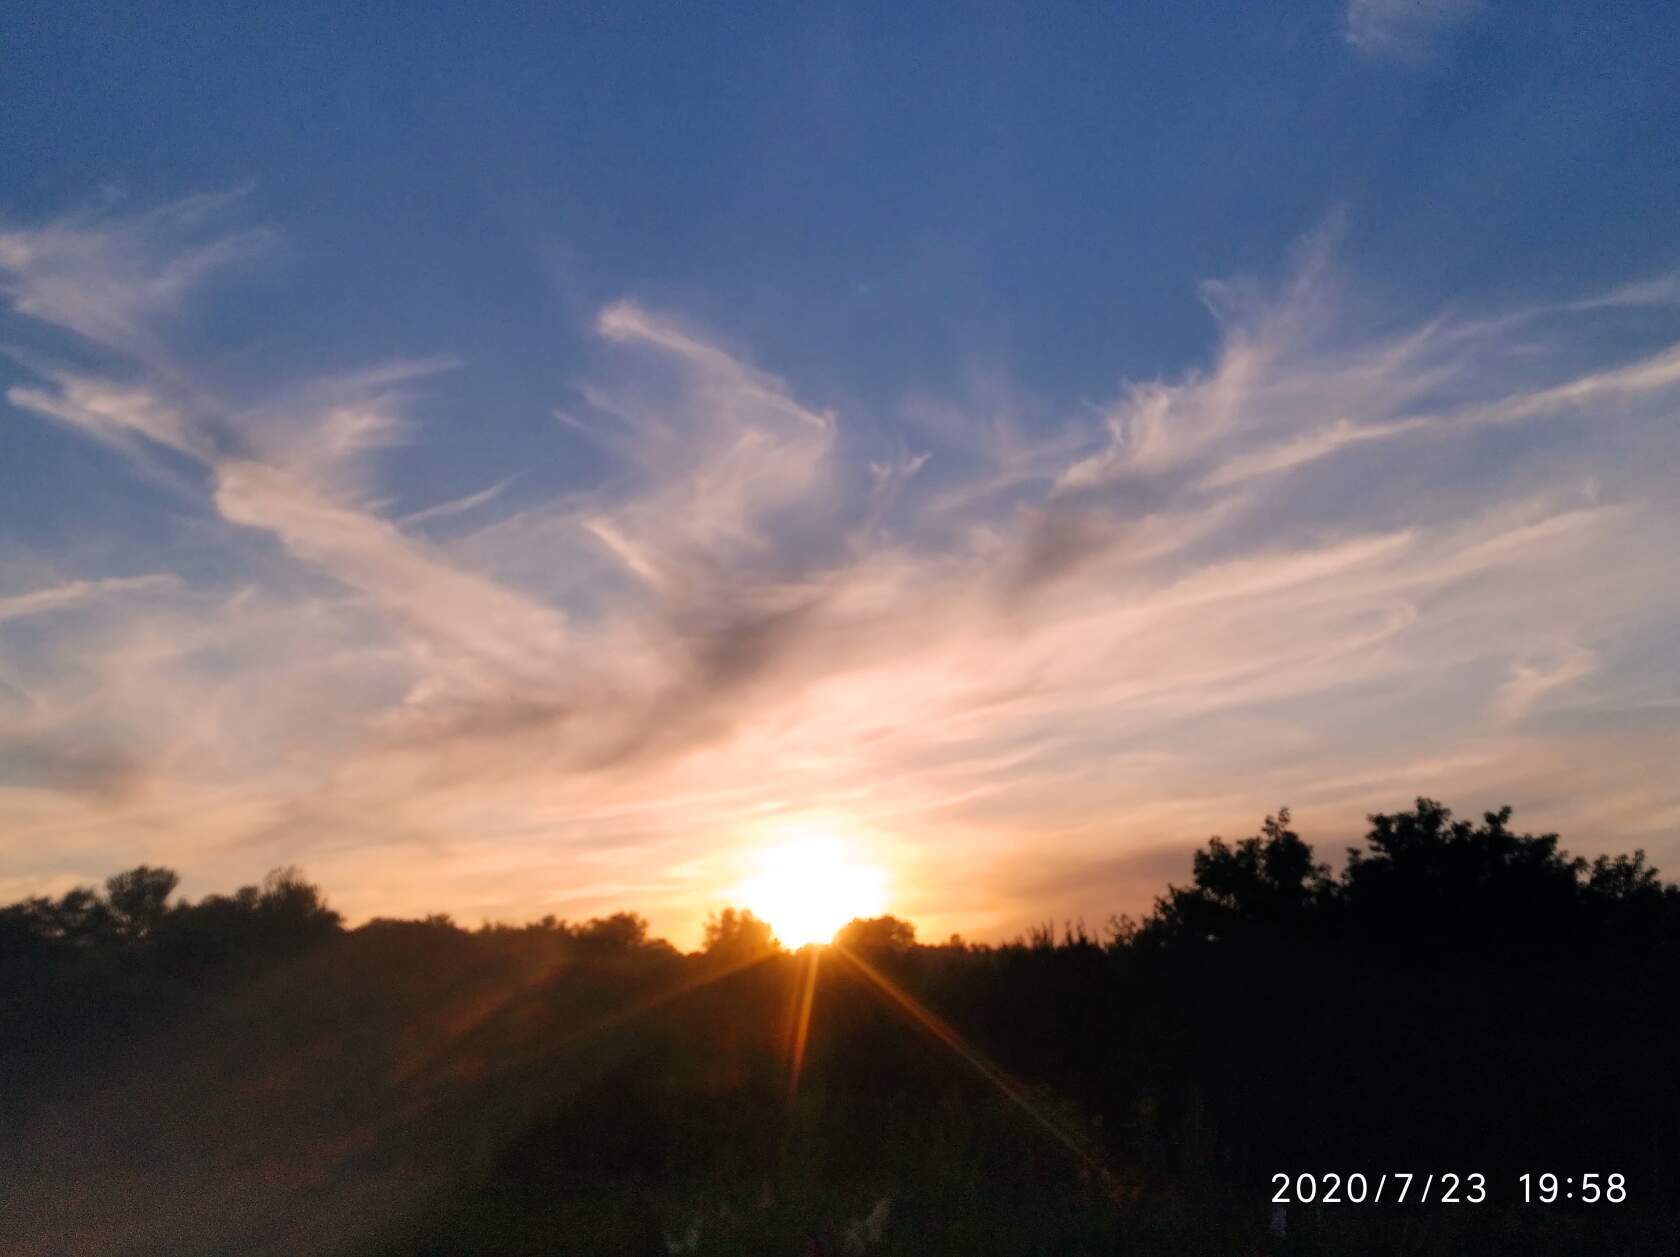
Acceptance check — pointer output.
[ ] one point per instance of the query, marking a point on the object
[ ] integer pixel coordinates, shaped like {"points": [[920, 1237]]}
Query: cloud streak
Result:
{"points": [[77, 593]]}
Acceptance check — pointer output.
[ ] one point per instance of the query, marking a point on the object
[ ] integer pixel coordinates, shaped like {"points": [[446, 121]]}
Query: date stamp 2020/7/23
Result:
{"points": [[1444, 1187]]}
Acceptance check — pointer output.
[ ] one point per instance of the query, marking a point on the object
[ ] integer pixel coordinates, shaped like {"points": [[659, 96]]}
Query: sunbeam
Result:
{"points": [[812, 959], [919, 1014]]}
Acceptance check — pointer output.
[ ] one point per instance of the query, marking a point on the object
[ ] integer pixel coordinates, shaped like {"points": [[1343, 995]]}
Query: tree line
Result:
{"points": [[1457, 995]]}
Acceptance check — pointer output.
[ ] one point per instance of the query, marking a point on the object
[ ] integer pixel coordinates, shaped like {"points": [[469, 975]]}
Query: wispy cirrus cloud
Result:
{"points": [[1330, 562], [1541, 671], [1404, 30], [77, 593], [111, 278]]}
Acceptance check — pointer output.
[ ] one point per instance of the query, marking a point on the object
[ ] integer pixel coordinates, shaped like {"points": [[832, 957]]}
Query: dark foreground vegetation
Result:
{"points": [[243, 1075]]}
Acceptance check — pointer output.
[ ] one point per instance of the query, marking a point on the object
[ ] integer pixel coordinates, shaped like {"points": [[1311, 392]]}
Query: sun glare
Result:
{"points": [[809, 887]]}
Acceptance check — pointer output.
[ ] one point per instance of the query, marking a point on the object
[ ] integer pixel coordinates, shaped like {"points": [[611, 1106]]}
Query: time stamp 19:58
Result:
{"points": [[1589, 1189], [1391, 1187]]}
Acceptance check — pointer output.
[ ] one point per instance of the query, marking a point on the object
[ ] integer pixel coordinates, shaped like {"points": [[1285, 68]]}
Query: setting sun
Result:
{"points": [[808, 888]]}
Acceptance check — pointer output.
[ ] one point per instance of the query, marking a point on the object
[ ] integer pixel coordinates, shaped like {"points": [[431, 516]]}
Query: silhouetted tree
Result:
{"points": [[296, 905], [735, 935], [1270, 881], [139, 899], [622, 931], [877, 936]]}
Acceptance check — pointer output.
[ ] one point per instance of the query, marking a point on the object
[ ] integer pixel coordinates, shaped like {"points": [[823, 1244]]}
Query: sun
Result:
{"points": [[807, 888]]}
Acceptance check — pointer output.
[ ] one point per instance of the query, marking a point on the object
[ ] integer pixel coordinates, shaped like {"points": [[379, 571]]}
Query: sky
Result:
{"points": [[508, 462]]}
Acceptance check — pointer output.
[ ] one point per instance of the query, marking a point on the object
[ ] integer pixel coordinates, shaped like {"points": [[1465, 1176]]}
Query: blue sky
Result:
{"points": [[512, 462]]}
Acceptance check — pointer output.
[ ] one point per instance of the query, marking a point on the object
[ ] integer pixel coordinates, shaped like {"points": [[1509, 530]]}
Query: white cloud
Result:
{"points": [[462, 505], [110, 412], [1660, 290], [110, 278], [1305, 449], [78, 593], [1404, 30], [1540, 672], [1330, 562]]}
